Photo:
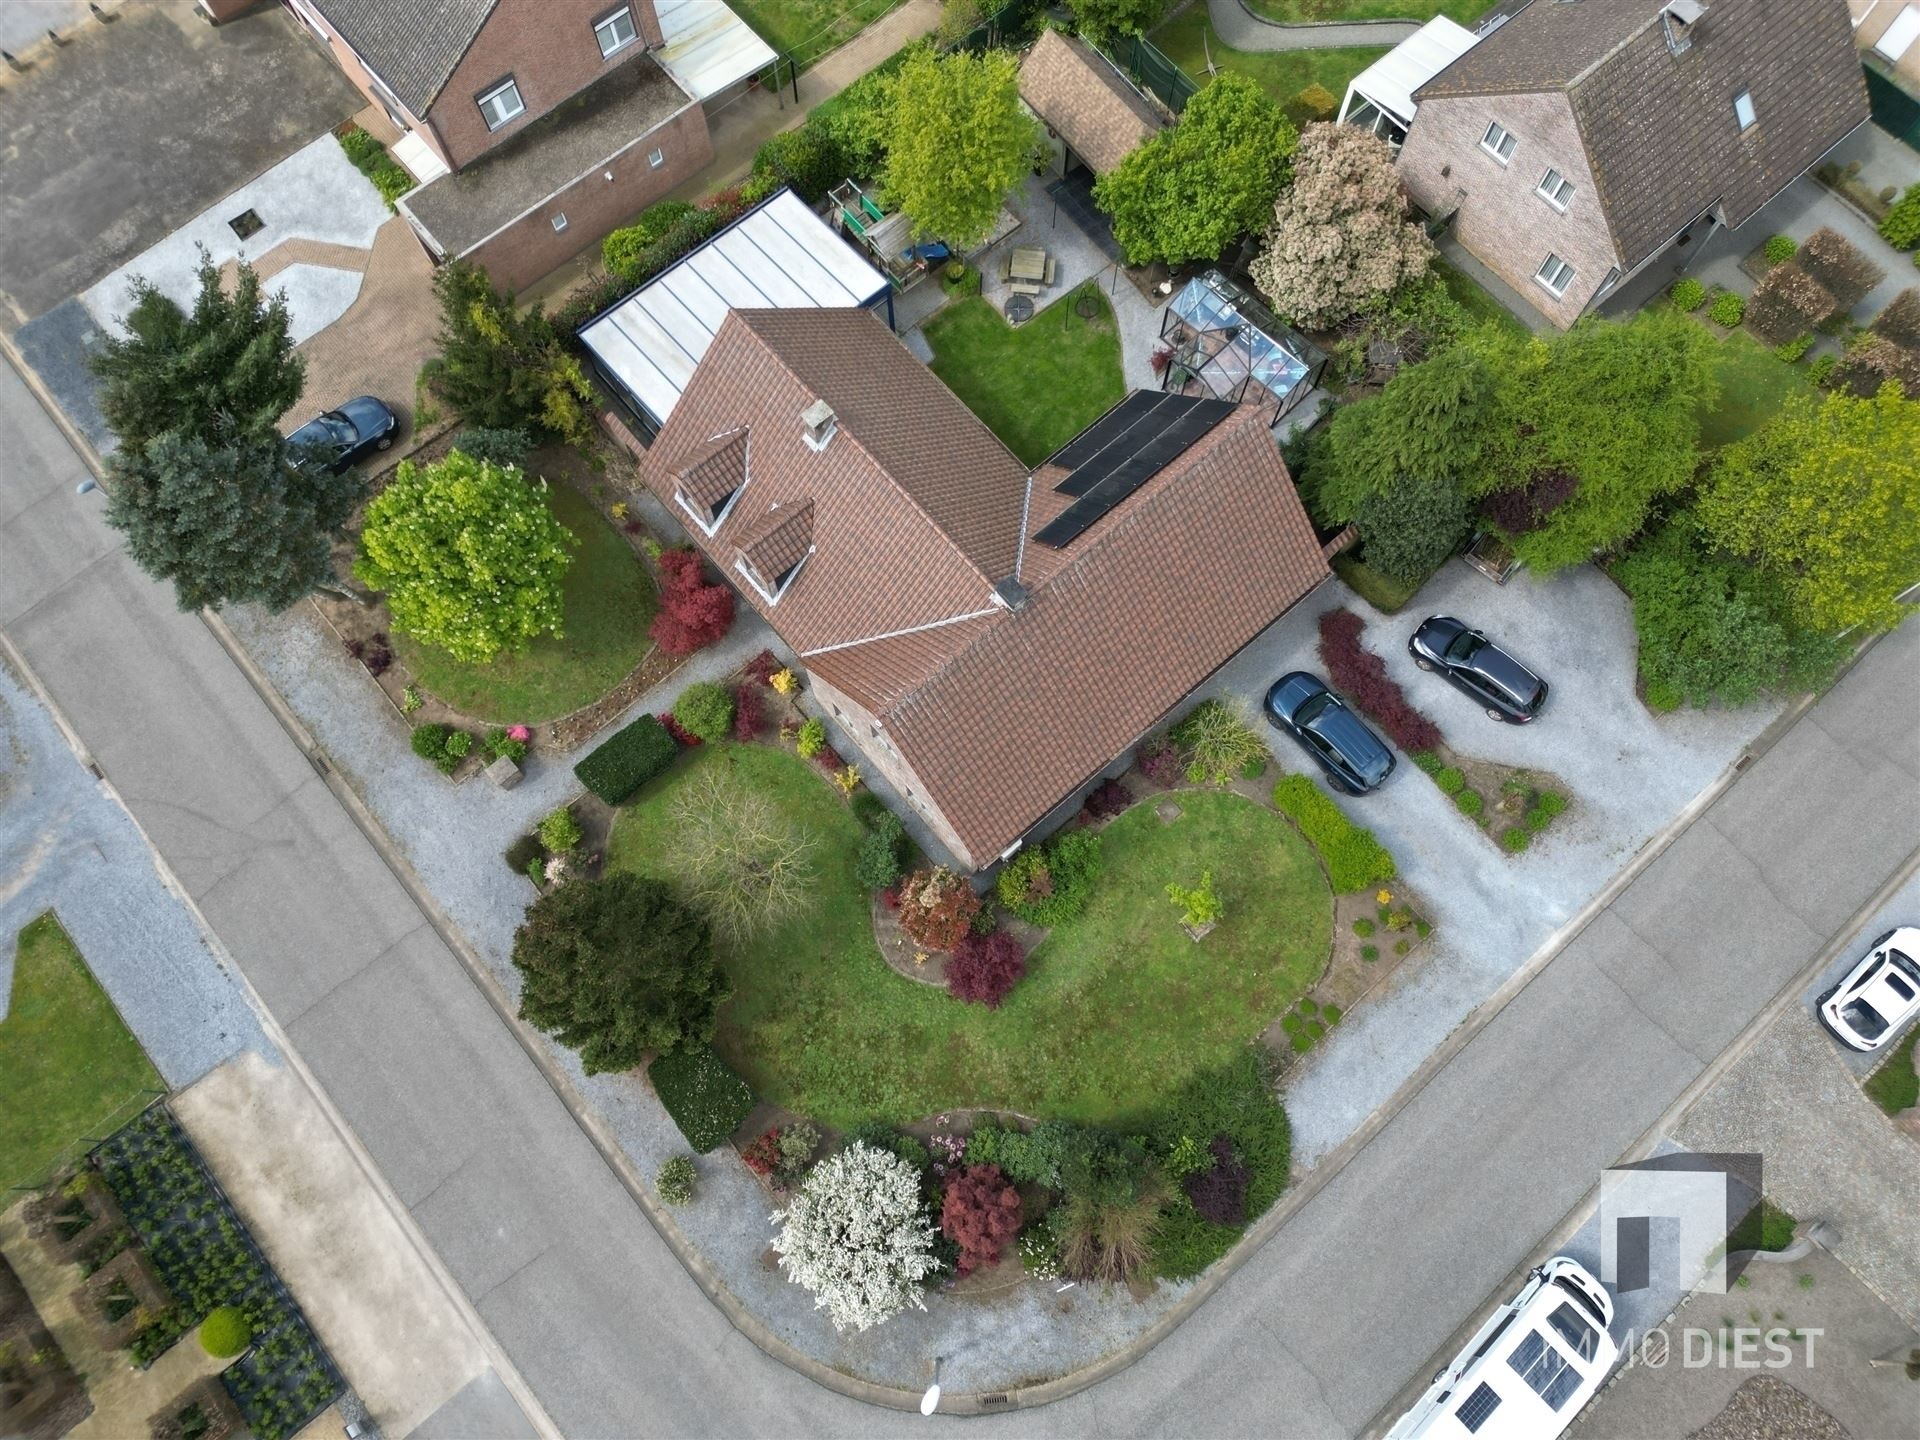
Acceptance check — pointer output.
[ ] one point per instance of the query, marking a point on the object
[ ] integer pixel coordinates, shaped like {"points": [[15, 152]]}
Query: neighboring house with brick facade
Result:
{"points": [[993, 640], [1576, 141], [1093, 114], [535, 126]]}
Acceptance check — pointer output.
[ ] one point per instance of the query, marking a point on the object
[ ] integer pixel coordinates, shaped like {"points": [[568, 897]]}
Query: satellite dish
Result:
{"points": [[930, 1401]]}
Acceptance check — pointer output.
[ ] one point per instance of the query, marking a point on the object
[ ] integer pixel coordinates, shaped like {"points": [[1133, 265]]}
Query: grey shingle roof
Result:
{"points": [[412, 45], [1659, 128]]}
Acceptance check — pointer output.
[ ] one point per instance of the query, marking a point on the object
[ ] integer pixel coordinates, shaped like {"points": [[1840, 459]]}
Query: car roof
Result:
{"points": [[1349, 733], [1506, 672]]}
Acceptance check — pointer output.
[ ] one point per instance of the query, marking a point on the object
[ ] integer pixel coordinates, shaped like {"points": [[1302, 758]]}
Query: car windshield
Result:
{"points": [[1903, 962], [1571, 1327], [1863, 1019], [1465, 646], [1311, 709]]}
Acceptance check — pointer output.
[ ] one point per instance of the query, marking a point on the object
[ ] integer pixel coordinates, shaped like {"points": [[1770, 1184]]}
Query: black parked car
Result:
{"points": [[343, 437], [1355, 759], [1498, 683]]}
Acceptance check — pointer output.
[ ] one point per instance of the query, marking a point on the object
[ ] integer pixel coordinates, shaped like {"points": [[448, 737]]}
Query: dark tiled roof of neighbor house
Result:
{"points": [[1000, 711], [1096, 111], [570, 140], [412, 45], [1659, 129]]}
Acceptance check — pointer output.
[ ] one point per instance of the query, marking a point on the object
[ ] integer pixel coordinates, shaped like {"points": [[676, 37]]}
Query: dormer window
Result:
{"points": [[707, 516], [1555, 189], [1498, 142], [771, 588], [1743, 110], [710, 484]]}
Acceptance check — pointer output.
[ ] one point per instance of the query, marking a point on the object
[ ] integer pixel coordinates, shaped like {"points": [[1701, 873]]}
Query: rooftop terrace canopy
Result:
{"points": [[1380, 97], [708, 47], [779, 255]]}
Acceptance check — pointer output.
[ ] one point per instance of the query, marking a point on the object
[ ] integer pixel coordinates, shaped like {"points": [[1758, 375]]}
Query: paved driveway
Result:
{"points": [[1628, 771]]}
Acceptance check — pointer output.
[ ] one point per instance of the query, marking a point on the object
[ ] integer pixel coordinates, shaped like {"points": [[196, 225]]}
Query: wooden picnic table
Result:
{"points": [[1029, 262]]}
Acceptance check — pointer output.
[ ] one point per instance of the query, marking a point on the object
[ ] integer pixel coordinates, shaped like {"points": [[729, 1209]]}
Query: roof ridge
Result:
{"points": [[1613, 50]]}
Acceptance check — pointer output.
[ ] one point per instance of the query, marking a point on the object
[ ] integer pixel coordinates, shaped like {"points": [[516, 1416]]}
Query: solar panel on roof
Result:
{"points": [[1124, 444], [1084, 446], [1126, 474]]}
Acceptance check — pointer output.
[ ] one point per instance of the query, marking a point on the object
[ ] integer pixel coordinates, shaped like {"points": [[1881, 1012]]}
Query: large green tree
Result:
{"points": [[1108, 20], [1825, 498], [1194, 188], [226, 368], [469, 554], [1591, 427], [958, 141], [616, 968], [227, 521], [500, 367]]}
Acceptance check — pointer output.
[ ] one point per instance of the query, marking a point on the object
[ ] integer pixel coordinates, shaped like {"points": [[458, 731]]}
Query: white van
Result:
{"points": [[1529, 1369]]}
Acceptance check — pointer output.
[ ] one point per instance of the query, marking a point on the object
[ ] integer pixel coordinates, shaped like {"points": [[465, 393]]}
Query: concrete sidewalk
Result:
{"points": [[1244, 30]]}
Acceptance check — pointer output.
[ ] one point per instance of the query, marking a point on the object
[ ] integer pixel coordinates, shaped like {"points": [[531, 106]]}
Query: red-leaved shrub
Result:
{"points": [[763, 1154], [1525, 508], [937, 908], [1108, 799], [749, 712], [828, 759], [985, 968], [1159, 761], [763, 667], [980, 1212], [1361, 676], [692, 612], [1219, 1192], [678, 731]]}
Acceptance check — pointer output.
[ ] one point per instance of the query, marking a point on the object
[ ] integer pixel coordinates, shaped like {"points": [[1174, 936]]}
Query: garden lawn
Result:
{"points": [[1754, 383], [68, 1067], [1117, 1007], [1282, 74], [1894, 1086], [1296, 12], [1038, 386], [1472, 297], [609, 604], [810, 26]]}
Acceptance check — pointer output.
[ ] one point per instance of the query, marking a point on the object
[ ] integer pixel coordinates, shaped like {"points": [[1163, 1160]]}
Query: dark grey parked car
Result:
{"points": [[1355, 759], [336, 439], [1498, 683]]}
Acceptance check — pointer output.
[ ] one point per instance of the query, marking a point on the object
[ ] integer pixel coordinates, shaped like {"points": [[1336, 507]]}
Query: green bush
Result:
{"points": [[507, 446], [502, 746], [1687, 293], [882, 1136], [430, 741], [1515, 840], [1901, 226], [225, 1332], [459, 745], [1215, 742], [1779, 248], [1549, 805], [627, 761], [1363, 928], [706, 1099], [623, 249], [882, 856], [1235, 1099], [1369, 953], [706, 710], [1793, 349], [1450, 781], [1470, 804], [1029, 1157], [1050, 884], [1728, 308], [1428, 763], [1354, 859], [1822, 366], [674, 1183], [811, 739], [560, 832]]}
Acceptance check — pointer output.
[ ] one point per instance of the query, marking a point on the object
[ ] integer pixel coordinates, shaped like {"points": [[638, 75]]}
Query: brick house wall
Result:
{"points": [[531, 248], [548, 49], [358, 75], [1500, 218]]}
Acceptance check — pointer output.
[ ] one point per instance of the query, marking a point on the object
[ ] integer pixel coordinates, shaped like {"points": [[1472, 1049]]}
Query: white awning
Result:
{"points": [[708, 47], [1391, 80], [780, 255]]}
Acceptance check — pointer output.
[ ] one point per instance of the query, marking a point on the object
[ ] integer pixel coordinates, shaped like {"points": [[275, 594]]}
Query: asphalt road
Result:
{"points": [[1311, 1337]]}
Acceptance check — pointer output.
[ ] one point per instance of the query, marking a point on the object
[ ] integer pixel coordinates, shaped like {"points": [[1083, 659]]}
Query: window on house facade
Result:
{"points": [[615, 32], [560, 221], [1743, 110], [656, 158], [1498, 142], [1555, 274], [500, 104], [1555, 189]]}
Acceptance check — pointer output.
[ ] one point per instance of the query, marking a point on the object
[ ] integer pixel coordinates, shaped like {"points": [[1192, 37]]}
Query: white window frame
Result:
{"points": [[1493, 145], [656, 158], [1566, 273], [486, 98], [772, 596], [1556, 189], [559, 221], [606, 26], [1744, 115]]}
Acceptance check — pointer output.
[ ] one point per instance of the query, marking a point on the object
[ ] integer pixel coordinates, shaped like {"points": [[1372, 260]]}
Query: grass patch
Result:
{"points": [[1299, 12], [69, 1067], [1754, 384], [1894, 1086], [1035, 387], [1118, 1008], [811, 26], [609, 601], [1765, 1227], [1383, 592], [1189, 39], [1474, 298]]}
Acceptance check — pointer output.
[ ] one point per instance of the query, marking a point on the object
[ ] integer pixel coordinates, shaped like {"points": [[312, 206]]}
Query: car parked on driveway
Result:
{"points": [[1355, 759], [336, 439], [1478, 668], [1529, 1369], [1880, 994]]}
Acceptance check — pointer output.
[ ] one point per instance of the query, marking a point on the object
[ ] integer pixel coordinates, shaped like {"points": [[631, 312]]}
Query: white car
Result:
{"points": [[1527, 1371], [1882, 993]]}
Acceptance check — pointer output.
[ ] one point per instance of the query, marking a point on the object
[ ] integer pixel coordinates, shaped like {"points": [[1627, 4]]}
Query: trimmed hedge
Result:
{"points": [[626, 762], [1354, 859], [706, 1099]]}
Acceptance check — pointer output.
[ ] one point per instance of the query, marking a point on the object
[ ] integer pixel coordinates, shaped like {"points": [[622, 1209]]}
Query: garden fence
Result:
{"points": [[1153, 70], [1894, 110], [1006, 25]]}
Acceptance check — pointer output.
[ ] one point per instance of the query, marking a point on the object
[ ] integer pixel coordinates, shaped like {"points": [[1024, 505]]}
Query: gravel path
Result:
{"points": [[66, 845], [1244, 30]]}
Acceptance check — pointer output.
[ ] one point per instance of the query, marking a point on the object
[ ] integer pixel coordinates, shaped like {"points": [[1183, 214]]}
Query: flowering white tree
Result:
{"points": [[858, 1237], [1340, 234]]}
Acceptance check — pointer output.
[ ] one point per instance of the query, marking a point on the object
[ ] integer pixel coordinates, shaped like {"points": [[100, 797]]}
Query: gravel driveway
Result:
{"points": [[1628, 772]]}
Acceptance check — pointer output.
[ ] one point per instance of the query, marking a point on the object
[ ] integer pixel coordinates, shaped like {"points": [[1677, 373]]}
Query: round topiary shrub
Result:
{"points": [[1779, 249], [675, 1180], [1470, 803], [1688, 293], [1728, 309], [706, 710], [1515, 840], [225, 1333]]}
